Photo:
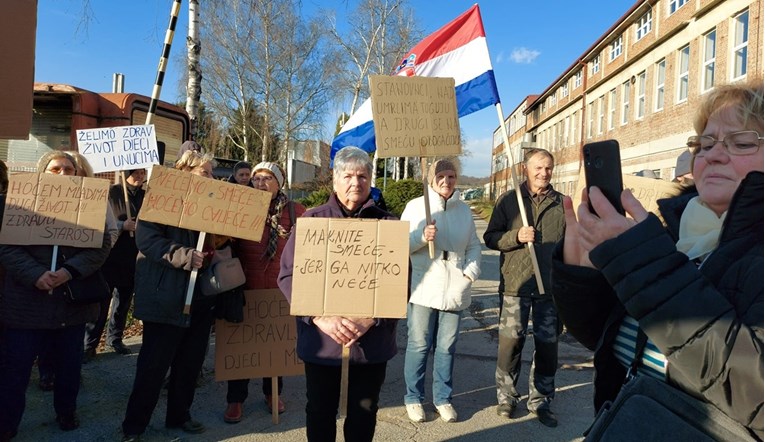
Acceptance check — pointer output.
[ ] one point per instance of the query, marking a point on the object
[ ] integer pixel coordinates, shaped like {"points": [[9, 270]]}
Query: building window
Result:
{"points": [[566, 124], [553, 100], [601, 114], [578, 79], [596, 64], [564, 90], [640, 95], [625, 101], [643, 26], [661, 72], [616, 49], [674, 5], [591, 123], [611, 109], [740, 44], [575, 121], [708, 69], [682, 73]]}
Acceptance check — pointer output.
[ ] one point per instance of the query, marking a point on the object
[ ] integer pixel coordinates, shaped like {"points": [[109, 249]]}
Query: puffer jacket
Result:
{"points": [[378, 344], [261, 272], [24, 306], [516, 272], [707, 320], [163, 268], [441, 283]]}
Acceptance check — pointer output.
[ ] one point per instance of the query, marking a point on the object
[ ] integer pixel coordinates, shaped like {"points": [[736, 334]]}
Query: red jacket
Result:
{"points": [[261, 272]]}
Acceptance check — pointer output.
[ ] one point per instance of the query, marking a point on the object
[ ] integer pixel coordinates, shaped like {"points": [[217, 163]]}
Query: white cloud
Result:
{"points": [[524, 55], [500, 57]]}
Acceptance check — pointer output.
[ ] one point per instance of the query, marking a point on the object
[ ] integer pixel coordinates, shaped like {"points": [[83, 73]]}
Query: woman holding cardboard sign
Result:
{"points": [[440, 288], [261, 267], [372, 342], [171, 340], [37, 317]]}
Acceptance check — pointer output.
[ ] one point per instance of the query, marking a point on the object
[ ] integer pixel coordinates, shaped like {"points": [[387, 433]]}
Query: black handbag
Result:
{"points": [[647, 409], [86, 290]]}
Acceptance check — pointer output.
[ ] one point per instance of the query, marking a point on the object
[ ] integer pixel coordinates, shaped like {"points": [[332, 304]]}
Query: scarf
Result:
{"points": [[275, 230], [699, 230]]}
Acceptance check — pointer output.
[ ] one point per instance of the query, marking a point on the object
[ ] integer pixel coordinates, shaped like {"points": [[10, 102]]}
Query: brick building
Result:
{"points": [[640, 84]]}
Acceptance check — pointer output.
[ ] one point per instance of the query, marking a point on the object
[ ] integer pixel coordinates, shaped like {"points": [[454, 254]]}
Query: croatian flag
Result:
{"points": [[457, 50]]}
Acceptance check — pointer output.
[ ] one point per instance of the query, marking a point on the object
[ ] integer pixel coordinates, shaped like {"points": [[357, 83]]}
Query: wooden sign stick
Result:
{"points": [[53, 260], [125, 192], [275, 399], [425, 196], [344, 381], [193, 277]]}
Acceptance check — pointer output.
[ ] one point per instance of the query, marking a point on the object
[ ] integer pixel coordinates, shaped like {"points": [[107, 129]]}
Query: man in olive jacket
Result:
{"points": [[518, 289]]}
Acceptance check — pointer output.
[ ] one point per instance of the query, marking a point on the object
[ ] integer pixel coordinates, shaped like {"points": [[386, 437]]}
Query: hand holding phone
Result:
{"points": [[603, 168]]}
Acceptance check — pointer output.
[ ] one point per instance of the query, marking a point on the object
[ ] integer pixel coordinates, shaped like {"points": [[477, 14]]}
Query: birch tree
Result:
{"points": [[194, 84]]}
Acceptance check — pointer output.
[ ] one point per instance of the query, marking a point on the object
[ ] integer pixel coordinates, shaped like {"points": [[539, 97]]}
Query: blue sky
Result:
{"points": [[530, 43]]}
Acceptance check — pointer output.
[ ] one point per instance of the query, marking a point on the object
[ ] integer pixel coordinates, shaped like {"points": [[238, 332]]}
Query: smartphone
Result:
{"points": [[603, 168]]}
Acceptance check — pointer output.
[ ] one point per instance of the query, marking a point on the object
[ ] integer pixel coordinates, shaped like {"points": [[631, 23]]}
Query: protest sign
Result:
{"points": [[55, 210], [119, 148], [646, 190], [350, 267], [263, 345], [189, 201], [415, 116]]}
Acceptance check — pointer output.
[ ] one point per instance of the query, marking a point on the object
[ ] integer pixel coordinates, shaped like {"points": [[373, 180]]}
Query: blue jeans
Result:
{"points": [[429, 328]]}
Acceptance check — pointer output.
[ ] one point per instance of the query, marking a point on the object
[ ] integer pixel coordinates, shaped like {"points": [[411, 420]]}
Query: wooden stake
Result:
{"points": [[344, 381], [275, 400], [193, 277], [125, 193], [425, 196]]}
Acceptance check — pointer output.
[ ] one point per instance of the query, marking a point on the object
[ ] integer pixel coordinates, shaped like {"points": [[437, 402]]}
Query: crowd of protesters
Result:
{"points": [[678, 298]]}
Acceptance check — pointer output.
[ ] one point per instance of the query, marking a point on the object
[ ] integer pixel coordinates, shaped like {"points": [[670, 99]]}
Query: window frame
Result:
{"points": [[683, 77], [615, 49], [640, 89], [612, 109], [578, 79], [708, 60], [743, 46], [596, 64], [661, 80], [675, 5], [625, 105], [644, 25]]}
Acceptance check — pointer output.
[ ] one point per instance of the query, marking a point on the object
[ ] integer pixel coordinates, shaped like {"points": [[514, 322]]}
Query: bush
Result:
{"points": [[398, 193], [317, 198]]}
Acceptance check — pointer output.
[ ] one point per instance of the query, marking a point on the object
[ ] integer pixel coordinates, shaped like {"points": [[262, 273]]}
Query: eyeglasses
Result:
{"points": [[745, 142], [264, 179]]}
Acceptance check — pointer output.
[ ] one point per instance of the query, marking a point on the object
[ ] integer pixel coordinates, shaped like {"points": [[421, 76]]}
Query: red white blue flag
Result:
{"points": [[457, 50]]}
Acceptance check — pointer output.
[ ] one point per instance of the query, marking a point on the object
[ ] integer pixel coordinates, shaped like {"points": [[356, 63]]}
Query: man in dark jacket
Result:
{"points": [[518, 288], [119, 268]]}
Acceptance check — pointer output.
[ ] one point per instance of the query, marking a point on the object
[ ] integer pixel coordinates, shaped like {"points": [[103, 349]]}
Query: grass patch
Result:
{"points": [[482, 209]]}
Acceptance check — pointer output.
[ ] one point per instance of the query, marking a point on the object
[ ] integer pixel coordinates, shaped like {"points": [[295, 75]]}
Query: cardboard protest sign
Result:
{"points": [[350, 267], [55, 210], [185, 200], [119, 148], [415, 116], [646, 190], [263, 345]]}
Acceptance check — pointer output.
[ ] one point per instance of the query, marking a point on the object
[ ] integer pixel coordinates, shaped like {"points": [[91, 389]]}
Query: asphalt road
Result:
{"points": [[108, 379]]}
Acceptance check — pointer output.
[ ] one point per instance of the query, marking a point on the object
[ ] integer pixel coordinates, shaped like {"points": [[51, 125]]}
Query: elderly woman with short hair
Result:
{"points": [[320, 339]]}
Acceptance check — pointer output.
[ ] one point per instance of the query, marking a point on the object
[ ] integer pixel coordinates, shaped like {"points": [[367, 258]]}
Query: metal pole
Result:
{"points": [[163, 61]]}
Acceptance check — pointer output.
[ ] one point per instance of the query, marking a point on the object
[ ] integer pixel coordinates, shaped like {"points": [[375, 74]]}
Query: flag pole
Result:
{"points": [[521, 207]]}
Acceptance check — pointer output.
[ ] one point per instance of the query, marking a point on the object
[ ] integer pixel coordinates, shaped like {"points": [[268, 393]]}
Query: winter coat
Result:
{"points": [[377, 345], [516, 272], [163, 268], [443, 283], [24, 306], [119, 268], [706, 320], [260, 271]]}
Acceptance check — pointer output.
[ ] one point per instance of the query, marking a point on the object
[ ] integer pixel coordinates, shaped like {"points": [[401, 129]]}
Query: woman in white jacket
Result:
{"points": [[440, 288]]}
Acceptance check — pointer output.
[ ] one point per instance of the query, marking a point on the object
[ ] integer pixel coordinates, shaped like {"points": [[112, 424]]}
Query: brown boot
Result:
{"points": [[233, 413]]}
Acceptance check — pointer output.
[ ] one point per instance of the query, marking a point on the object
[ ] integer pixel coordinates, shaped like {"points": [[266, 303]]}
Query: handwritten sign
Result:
{"points": [[54, 210], [263, 345], [646, 190], [415, 116], [350, 267], [192, 202], [119, 148]]}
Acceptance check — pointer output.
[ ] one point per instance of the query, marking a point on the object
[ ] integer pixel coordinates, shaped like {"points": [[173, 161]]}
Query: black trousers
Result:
{"points": [[323, 394], [237, 389], [182, 350]]}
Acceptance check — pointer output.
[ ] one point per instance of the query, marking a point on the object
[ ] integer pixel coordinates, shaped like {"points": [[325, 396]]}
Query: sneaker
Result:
{"points": [[269, 400], [546, 417], [415, 412], [190, 426], [506, 410], [447, 412], [233, 413]]}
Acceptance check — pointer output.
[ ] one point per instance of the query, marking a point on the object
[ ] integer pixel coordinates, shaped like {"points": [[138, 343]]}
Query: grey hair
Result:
{"points": [[351, 157]]}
